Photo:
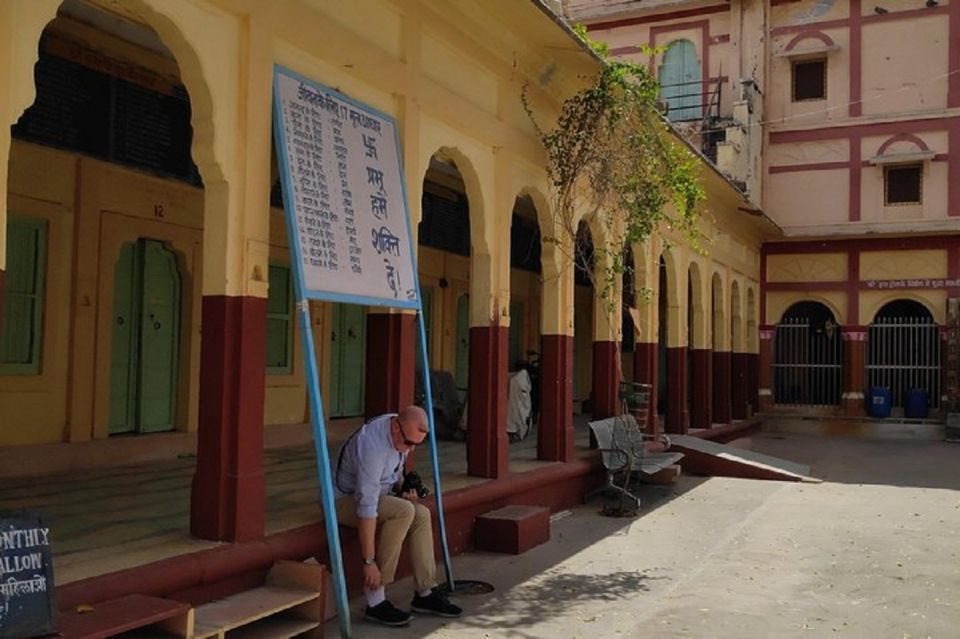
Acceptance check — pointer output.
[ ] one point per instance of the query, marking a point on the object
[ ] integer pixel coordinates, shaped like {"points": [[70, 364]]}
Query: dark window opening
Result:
{"points": [[902, 184], [90, 112], [809, 80], [525, 244], [446, 221]]}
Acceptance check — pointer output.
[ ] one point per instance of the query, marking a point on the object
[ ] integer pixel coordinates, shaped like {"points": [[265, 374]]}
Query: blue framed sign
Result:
{"points": [[344, 188], [349, 229]]}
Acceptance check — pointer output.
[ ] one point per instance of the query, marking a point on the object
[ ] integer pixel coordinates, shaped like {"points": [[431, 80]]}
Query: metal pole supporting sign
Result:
{"points": [[348, 225]]}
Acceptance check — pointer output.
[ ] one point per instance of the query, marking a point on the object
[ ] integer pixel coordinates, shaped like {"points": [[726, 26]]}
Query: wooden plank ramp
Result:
{"points": [[704, 457]]}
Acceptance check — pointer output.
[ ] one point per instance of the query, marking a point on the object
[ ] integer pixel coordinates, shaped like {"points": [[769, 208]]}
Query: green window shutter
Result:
{"points": [[280, 321], [21, 334]]}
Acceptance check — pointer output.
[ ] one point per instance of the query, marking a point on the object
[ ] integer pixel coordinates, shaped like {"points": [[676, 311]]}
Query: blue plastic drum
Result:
{"points": [[917, 405], [878, 402]]}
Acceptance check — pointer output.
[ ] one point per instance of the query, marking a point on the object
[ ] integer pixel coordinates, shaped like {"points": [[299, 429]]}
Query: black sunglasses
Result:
{"points": [[406, 442]]}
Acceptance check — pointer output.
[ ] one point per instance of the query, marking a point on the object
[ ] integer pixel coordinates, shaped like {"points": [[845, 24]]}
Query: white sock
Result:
{"points": [[375, 597], [425, 593]]}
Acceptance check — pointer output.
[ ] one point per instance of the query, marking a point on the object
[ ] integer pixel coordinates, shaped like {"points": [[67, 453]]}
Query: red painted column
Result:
{"points": [[487, 446], [753, 381], [854, 353], [391, 358], [555, 437], [227, 501], [645, 371], [701, 408], [606, 379], [677, 413], [721, 387], [765, 369], [738, 385]]}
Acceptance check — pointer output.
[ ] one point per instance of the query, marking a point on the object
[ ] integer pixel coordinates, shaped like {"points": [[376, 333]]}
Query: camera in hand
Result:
{"points": [[412, 481]]}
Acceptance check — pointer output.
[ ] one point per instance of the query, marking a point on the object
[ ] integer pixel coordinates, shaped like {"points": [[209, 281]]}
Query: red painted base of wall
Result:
{"points": [[606, 379], [738, 389], [215, 573], [228, 495], [555, 435], [753, 381], [701, 407], [646, 371], [391, 346], [487, 446], [678, 419], [721, 387]]}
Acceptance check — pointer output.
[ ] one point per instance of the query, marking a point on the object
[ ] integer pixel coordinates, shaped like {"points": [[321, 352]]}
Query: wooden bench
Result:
{"points": [[128, 616]]}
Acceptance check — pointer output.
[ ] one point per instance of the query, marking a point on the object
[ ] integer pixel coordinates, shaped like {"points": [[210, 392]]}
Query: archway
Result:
{"points": [[807, 357], [443, 259], [122, 116], [107, 105], [526, 295], [698, 353], [721, 353], [738, 356], [583, 320], [903, 352]]}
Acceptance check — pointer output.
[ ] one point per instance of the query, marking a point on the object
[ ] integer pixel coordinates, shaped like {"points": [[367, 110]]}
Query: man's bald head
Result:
{"points": [[414, 419]]}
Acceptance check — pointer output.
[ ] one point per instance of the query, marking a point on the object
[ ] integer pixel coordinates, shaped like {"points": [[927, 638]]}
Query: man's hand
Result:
{"points": [[371, 577], [411, 495]]}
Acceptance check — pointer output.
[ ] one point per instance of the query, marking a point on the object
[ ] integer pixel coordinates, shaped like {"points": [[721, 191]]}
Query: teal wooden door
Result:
{"points": [[145, 343], [515, 337], [462, 370], [348, 361], [680, 85]]}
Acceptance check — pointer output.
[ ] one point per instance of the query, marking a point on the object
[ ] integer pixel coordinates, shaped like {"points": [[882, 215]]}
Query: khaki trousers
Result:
{"points": [[398, 519]]}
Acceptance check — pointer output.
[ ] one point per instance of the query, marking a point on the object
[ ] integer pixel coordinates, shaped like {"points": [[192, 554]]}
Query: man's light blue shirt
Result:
{"points": [[369, 465]]}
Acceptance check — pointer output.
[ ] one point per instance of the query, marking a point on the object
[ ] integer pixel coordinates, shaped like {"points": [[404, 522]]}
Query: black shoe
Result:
{"points": [[387, 614], [436, 603]]}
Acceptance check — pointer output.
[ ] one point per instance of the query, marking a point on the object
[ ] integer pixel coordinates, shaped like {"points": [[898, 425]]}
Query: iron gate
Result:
{"points": [[903, 353], [807, 362]]}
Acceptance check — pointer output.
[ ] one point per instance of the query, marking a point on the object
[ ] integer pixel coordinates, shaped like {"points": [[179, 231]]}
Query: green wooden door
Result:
{"points": [[123, 350], [348, 361], [462, 374], [159, 338], [515, 337], [21, 333], [146, 339]]}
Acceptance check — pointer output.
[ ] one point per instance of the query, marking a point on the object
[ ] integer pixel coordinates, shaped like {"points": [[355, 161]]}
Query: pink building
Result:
{"points": [[841, 118]]}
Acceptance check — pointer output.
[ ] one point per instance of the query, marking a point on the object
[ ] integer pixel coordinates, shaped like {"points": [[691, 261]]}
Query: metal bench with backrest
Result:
{"points": [[623, 448]]}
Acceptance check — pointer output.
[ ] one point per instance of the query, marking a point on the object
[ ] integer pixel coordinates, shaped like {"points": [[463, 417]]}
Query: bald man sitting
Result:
{"points": [[368, 478]]}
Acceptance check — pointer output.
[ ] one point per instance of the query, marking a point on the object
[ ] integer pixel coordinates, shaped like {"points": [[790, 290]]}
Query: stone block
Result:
{"points": [[512, 529]]}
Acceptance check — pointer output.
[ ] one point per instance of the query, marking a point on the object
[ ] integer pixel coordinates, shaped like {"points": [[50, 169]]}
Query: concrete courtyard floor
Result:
{"points": [[873, 551]]}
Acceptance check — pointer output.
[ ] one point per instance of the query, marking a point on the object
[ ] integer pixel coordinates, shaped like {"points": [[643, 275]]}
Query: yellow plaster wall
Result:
{"points": [[820, 267], [43, 186], [894, 265]]}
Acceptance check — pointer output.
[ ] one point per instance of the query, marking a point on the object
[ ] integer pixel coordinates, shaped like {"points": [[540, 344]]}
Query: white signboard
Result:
{"points": [[343, 195]]}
